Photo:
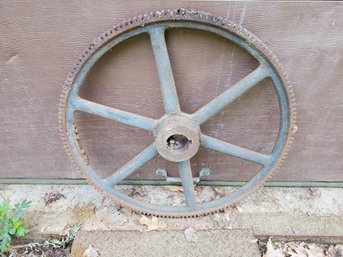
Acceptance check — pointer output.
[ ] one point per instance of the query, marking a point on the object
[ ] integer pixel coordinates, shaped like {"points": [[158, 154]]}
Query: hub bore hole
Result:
{"points": [[178, 142]]}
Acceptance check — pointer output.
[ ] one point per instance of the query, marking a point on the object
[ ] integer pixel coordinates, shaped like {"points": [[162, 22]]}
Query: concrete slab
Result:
{"points": [[220, 243], [285, 212]]}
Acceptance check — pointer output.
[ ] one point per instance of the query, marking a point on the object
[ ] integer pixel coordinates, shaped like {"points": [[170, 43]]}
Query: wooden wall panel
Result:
{"points": [[40, 41]]}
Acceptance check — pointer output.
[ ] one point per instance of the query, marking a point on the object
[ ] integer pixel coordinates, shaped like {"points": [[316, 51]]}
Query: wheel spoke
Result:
{"points": [[130, 167], [230, 95], [185, 172], [127, 118], [226, 148], [165, 73]]}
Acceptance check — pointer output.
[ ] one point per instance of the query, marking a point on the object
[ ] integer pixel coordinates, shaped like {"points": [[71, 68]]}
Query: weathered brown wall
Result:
{"points": [[39, 42]]}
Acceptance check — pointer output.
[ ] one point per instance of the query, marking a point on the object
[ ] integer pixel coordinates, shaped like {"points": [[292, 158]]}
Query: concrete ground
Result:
{"points": [[219, 243], [271, 212]]}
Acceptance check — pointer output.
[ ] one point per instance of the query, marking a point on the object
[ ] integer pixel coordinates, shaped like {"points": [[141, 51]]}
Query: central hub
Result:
{"points": [[177, 138]]}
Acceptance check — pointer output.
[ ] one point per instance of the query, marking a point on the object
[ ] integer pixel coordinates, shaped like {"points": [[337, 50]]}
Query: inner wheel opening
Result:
{"points": [[178, 142]]}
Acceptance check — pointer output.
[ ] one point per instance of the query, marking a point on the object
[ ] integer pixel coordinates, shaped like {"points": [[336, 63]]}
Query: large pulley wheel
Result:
{"points": [[177, 134]]}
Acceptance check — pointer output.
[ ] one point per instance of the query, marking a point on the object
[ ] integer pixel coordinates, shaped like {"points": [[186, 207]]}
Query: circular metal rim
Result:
{"points": [[215, 23]]}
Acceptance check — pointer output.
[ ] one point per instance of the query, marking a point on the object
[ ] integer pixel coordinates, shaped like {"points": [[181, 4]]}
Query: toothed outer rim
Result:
{"points": [[179, 14]]}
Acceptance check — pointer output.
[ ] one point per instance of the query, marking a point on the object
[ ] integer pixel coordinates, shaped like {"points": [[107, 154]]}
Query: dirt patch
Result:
{"points": [[78, 249], [82, 213], [50, 198]]}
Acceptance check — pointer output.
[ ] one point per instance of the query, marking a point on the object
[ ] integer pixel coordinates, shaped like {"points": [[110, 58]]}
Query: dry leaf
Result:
{"points": [[315, 192], [191, 235], [91, 252], [335, 251], [253, 241], [316, 251], [271, 252], [302, 251], [239, 209], [173, 188], [219, 191], [292, 245], [305, 250], [153, 223]]}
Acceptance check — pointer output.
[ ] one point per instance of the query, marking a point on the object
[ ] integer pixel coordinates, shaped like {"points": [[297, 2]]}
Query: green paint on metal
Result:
{"points": [[327, 184]]}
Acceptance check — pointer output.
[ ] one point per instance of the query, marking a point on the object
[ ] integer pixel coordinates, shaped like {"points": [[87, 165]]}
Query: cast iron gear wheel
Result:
{"points": [[177, 134]]}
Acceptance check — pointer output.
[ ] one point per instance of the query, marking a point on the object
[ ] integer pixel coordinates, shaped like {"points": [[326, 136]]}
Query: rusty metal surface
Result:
{"points": [[178, 124]]}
